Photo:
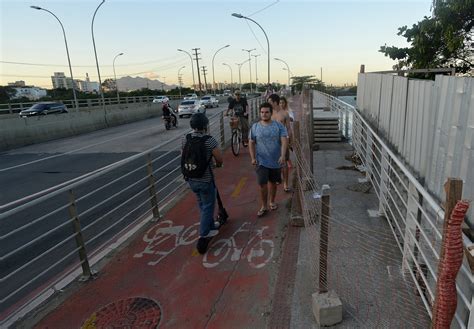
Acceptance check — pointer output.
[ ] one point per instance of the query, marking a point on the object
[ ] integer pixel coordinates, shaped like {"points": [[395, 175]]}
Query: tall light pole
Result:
{"points": [[179, 79], [240, 66], [213, 75], [115, 77], [288, 68], [268, 43], [231, 78], [250, 66], [285, 69], [67, 53], [192, 66], [256, 74], [95, 53]]}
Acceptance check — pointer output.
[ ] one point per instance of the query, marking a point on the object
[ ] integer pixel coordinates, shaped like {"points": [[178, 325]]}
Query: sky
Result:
{"points": [[334, 37]]}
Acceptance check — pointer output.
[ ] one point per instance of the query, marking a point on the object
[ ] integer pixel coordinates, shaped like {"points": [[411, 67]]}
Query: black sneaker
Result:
{"points": [[202, 245]]}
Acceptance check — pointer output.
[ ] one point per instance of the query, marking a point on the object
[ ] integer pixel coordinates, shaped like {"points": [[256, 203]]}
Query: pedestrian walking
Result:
{"points": [[198, 149], [268, 141]]}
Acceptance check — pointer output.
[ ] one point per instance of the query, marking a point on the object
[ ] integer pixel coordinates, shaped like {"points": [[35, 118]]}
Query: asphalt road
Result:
{"points": [[31, 169]]}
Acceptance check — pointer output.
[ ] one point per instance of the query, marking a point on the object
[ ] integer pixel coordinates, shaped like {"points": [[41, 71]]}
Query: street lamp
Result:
{"points": [[250, 66], [231, 78], [115, 77], [192, 66], [278, 59], [213, 76], [179, 79], [240, 66], [256, 74], [268, 43], [285, 69], [95, 53], [67, 52]]}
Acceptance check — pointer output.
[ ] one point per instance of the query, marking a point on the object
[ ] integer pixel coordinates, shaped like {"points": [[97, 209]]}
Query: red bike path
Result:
{"points": [[159, 279]]}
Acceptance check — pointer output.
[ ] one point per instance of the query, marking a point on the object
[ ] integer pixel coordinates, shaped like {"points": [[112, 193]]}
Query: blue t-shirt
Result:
{"points": [[268, 142]]}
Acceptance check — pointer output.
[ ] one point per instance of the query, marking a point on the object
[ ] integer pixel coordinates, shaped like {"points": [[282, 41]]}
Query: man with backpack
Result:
{"points": [[198, 149]]}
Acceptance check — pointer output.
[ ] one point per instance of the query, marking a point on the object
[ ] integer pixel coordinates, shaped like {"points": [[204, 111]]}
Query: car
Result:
{"points": [[190, 96], [209, 101], [160, 99], [44, 108], [190, 106]]}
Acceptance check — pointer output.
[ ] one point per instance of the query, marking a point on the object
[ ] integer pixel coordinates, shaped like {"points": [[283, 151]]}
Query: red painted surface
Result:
{"points": [[232, 294]]}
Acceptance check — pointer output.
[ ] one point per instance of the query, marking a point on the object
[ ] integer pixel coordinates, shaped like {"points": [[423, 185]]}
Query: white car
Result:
{"points": [[209, 101], [189, 107], [160, 99], [190, 96]]}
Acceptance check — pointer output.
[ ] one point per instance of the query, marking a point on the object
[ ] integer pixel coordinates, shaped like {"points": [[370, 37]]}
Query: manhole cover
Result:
{"points": [[133, 312]]}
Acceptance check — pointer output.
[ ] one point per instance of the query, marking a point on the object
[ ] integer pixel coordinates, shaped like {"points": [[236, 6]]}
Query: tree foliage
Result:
{"points": [[297, 83], [443, 40]]}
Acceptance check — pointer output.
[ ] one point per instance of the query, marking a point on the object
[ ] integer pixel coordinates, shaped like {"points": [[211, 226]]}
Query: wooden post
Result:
{"points": [[453, 189], [323, 244], [222, 130], [151, 189], [86, 270]]}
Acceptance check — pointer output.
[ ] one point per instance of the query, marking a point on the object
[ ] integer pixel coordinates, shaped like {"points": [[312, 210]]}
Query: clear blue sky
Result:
{"points": [[335, 35]]}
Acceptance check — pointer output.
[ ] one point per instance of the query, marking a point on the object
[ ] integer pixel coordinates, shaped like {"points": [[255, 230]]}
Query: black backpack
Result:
{"points": [[194, 160]]}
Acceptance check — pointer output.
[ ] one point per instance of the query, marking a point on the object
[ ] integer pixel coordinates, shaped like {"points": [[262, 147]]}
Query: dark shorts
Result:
{"points": [[265, 175]]}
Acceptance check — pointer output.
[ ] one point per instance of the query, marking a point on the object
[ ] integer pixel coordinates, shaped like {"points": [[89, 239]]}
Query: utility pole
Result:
{"points": [[205, 80], [197, 65]]}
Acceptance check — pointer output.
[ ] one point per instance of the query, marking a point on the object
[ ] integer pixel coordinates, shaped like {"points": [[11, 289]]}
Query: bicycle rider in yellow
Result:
{"points": [[240, 107]]}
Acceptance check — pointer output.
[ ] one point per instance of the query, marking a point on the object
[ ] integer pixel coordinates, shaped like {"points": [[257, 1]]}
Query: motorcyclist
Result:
{"points": [[168, 112]]}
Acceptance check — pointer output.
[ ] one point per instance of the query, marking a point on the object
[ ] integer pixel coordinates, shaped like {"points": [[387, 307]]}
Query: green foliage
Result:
{"points": [[443, 40], [297, 83], [5, 93]]}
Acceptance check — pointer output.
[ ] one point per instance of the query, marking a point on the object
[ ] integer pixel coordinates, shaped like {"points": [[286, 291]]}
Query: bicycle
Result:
{"points": [[236, 135]]}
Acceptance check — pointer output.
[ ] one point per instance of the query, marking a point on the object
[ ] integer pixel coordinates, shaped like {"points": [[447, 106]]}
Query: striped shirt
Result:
{"points": [[211, 144]]}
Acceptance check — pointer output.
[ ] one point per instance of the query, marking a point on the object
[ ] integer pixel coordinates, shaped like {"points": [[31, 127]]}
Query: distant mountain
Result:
{"points": [[129, 84]]}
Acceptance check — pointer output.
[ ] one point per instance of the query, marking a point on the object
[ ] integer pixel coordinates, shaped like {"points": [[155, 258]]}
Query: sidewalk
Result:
{"points": [[161, 279]]}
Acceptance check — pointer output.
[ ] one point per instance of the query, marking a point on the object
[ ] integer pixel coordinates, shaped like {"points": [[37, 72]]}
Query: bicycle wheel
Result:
{"points": [[235, 142]]}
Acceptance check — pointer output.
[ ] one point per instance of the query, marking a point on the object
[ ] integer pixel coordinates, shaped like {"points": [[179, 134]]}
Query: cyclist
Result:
{"points": [[239, 106], [168, 112]]}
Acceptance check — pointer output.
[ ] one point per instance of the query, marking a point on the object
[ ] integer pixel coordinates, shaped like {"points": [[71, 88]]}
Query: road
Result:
{"points": [[31, 169]]}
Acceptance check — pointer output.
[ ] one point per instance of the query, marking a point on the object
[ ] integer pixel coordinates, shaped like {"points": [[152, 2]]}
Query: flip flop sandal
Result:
{"points": [[261, 212], [273, 206]]}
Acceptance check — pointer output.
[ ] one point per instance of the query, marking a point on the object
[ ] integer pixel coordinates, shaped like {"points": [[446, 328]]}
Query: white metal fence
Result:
{"points": [[430, 124], [414, 215]]}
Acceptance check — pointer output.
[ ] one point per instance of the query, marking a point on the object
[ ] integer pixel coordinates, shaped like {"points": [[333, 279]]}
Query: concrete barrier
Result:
{"points": [[16, 132]]}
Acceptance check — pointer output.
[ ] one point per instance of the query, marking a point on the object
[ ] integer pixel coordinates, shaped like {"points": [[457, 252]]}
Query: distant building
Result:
{"points": [[19, 83], [88, 86], [61, 81], [32, 93]]}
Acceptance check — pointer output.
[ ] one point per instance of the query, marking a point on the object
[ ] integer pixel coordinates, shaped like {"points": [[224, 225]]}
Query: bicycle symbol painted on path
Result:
{"points": [[163, 238], [260, 251]]}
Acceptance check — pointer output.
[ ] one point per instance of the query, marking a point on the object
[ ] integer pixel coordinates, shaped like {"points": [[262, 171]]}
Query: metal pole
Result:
{"points": [[287, 67], [86, 269], [192, 66], [67, 53], [213, 75], [95, 53], [151, 188], [179, 79], [256, 74], [115, 77], [231, 77], [250, 65], [268, 42], [323, 247]]}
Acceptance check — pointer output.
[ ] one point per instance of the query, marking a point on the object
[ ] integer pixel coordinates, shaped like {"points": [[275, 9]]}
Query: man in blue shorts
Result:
{"points": [[268, 144]]}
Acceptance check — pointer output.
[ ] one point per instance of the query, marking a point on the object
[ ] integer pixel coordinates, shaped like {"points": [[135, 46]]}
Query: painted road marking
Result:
{"points": [[239, 187]]}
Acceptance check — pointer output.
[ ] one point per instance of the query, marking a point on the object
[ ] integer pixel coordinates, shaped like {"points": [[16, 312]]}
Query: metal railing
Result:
{"points": [[415, 217], [42, 237]]}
